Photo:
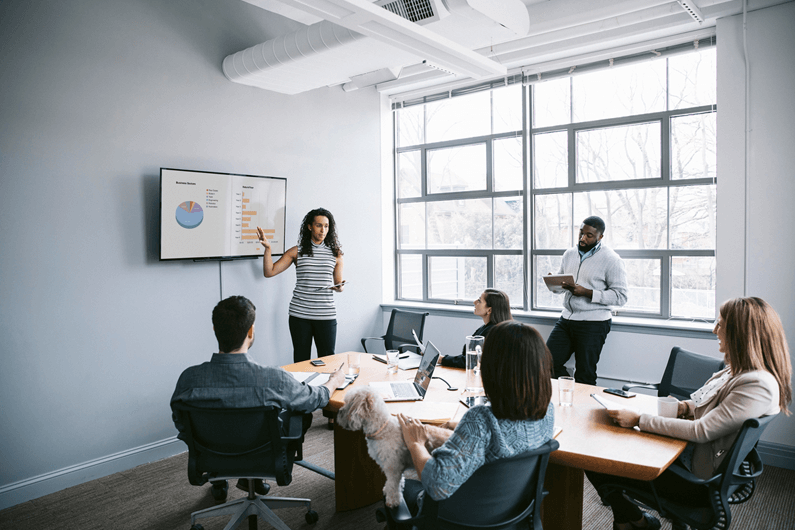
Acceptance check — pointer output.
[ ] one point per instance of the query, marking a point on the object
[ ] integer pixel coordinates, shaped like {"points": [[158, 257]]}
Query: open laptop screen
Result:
{"points": [[427, 365]]}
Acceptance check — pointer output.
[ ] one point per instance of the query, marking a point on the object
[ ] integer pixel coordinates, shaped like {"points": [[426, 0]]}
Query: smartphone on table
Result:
{"points": [[620, 393], [317, 362]]}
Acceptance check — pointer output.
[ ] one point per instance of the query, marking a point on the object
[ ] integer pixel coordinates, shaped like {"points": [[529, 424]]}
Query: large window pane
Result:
{"points": [[460, 224], [692, 80], [552, 221], [551, 160], [643, 279], [410, 270], [460, 117], [693, 146], [544, 298], [634, 218], [508, 223], [552, 102], [508, 163], [411, 225], [456, 278], [621, 91], [409, 174], [619, 153], [507, 109], [457, 169], [693, 222], [410, 125], [693, 287], [509, 278]]}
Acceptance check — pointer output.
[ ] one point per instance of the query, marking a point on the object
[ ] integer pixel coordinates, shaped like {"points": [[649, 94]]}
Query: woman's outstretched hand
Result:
{"points": [[263, 239]]}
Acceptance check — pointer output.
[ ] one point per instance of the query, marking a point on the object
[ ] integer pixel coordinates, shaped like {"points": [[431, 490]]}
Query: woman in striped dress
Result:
{"points": [[318, 264]]}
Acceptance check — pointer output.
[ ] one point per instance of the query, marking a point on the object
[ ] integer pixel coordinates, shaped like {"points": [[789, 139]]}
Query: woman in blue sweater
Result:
{"points": [[516, 368]]}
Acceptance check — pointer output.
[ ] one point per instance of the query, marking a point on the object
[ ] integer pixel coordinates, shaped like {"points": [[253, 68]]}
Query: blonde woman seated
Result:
{"points": [[755, 383]]}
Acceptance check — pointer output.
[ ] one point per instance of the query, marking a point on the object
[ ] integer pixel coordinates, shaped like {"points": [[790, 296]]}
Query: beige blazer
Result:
{"points": [[714, 425]]}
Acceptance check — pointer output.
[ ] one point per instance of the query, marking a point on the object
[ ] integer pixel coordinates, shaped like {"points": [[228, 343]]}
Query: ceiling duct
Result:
{"points": [[418, 11], [357, 37]]}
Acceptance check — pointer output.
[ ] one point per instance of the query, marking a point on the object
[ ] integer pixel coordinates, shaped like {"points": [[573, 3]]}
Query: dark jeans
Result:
{"points": [[303, 331], [668, 485], [583, 338]]}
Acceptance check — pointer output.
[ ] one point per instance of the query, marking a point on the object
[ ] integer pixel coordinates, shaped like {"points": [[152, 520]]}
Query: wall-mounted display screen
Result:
{"points": [[207, 215]]}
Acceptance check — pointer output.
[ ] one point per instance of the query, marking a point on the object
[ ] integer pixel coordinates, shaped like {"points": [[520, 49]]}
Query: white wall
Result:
{"points": [[770, 253], [96, 96]]}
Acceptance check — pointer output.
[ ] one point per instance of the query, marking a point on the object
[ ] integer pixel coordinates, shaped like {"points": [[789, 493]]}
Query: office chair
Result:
{"points": [[685, 373], [741, 467], [226, 444], [398, 332], [503, 494]]}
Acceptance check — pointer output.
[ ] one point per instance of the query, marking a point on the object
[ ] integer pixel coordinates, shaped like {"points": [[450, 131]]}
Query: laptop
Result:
{"points": [[411, 391]]}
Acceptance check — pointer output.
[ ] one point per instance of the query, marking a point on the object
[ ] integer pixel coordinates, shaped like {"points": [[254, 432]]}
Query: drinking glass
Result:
{"points": [[354, 363], [392, 361], [474, 353], [566, 390]]}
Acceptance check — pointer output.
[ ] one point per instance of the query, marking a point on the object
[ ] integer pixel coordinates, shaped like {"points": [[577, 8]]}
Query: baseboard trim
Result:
{"points": [[777, 455], [38, 486]]}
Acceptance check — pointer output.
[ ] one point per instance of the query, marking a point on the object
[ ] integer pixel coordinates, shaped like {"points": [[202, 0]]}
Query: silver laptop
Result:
{"points": [[411, 391]]}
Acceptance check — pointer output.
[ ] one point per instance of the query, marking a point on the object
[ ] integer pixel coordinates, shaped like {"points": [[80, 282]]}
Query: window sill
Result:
{"points": [[646, 326]]}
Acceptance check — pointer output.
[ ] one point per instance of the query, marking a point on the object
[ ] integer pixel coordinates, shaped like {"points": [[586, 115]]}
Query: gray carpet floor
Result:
{"points": [[157, 496]]}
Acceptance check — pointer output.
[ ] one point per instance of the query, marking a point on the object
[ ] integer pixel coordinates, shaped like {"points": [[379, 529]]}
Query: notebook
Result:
{"points": [[414, 391]]}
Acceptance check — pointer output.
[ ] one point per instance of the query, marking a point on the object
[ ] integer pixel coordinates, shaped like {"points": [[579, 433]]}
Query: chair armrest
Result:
{"points": [[639, 385], [690, 477], [365, 339], [756, 464], [294, 428], [405, 347]]}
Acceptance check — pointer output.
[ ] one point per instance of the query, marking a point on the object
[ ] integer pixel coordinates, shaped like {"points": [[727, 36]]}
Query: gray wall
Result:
{"points": [[95, 97]]}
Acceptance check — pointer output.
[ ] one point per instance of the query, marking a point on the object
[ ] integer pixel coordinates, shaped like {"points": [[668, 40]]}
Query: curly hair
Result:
{"points": [[305, 235]]}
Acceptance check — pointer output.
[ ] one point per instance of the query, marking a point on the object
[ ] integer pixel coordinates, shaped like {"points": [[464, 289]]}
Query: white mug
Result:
{"points": [[667, 407]]}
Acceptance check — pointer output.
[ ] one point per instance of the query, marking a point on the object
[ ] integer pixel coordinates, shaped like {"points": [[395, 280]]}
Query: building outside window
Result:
{"points": [[492, 185]]}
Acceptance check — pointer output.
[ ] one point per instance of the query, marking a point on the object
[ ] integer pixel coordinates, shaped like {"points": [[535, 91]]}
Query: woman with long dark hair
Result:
{"points": [[517, 372], [493, 307], [318, 264], [755, 383]]}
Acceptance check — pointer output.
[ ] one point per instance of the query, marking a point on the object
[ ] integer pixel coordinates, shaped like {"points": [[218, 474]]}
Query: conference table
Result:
{"points": [[589, 440]]}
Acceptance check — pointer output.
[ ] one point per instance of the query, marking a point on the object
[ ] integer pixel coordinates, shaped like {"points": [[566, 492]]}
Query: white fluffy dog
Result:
{"points": [[365, 410]]}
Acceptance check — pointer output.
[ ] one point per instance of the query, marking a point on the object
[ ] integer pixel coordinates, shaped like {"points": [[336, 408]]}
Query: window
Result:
{"points": [[492, 185]]}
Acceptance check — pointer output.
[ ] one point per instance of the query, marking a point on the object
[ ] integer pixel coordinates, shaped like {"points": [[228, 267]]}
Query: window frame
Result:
{"points": [[528, 193]]}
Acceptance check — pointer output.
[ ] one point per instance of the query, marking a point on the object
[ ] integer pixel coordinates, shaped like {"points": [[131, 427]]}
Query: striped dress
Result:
{"points": [[312, 273]]}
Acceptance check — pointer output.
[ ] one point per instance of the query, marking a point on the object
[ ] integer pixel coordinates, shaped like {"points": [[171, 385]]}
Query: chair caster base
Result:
{"points": [[311, 517]]}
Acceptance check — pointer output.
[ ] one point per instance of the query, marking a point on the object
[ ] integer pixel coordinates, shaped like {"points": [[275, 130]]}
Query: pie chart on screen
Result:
{"points": [[189, 214]]}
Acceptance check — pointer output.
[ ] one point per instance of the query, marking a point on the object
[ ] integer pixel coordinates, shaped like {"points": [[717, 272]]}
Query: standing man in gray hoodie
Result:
{"points": [[600, 281]]}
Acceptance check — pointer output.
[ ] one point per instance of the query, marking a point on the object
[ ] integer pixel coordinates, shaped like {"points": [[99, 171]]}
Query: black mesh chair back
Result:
{"points": [[235, 442], [504, 494], [739, 469], [398, 333], [685, 373], [248, 443]]}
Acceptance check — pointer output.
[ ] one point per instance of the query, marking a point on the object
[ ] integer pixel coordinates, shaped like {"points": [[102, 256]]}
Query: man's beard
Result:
{"points": [[586, 248]]}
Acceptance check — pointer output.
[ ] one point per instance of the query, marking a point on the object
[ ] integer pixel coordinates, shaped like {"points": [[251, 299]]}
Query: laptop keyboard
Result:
{"points": [[403, 390]]}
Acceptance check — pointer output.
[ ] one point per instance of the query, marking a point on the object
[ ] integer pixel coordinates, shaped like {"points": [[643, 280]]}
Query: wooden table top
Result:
{"points": [[589, 439]]}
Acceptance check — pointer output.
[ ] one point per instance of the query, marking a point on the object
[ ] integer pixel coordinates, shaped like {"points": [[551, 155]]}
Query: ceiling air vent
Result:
{"points": [[418, 11]]}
